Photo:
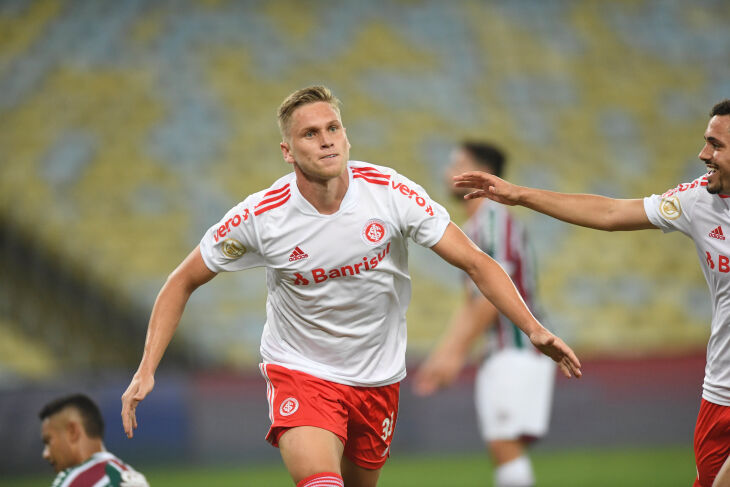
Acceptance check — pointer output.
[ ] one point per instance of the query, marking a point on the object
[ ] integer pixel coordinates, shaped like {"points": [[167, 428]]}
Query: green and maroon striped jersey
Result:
{"points": [[103, 469]]}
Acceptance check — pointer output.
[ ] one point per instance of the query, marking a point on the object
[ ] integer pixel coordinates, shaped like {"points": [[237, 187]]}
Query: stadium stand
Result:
{"points": [[56, 319], [127, 128]]}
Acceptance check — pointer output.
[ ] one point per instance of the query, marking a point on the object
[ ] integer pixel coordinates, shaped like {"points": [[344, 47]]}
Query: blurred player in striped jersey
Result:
{"points": [[698, 209], [72, 430], [333, 236], [514, 384]]}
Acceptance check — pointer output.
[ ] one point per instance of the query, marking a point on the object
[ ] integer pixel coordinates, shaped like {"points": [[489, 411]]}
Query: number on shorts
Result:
{"points": [[388, 424]]}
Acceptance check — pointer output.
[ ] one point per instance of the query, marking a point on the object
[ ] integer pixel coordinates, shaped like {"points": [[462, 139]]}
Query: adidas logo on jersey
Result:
{"points": [[297, 254], [717, 233]]}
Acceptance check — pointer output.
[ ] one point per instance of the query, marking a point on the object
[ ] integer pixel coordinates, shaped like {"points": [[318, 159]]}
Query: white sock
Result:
{"points": [[515, 473]]}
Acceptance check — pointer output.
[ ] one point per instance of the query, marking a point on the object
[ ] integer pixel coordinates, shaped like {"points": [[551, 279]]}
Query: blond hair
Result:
{"points": [[304, 96]]}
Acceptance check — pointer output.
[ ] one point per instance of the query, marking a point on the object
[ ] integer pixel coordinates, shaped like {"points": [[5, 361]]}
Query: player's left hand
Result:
{"points": [[556, 349], [439, 370]]}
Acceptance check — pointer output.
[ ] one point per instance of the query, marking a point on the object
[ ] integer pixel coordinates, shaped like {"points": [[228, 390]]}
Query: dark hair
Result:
{"points": [[486, 154], [722, 108], [92, 421]]}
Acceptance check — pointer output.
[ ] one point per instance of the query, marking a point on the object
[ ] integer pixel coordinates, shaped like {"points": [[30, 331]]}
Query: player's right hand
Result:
{"points": [[138, 389], [487, 185]]}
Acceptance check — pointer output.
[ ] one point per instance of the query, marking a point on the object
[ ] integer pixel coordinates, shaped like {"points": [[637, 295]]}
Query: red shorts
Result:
{"points": [[712, 441], [362, 417]]}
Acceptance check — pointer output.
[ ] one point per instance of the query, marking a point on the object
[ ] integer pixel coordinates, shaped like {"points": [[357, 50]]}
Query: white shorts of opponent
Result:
{"points": [[514, 394]]}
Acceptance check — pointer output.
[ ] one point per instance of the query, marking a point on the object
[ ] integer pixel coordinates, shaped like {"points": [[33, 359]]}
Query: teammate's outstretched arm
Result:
{"points": [[497, 287], [587, 210], [166, 314]]}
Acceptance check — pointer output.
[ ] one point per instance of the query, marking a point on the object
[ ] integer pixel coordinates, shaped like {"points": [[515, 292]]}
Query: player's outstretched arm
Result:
{"points": [[498, 288], [166, 314], [587, 210], [444, 363]]}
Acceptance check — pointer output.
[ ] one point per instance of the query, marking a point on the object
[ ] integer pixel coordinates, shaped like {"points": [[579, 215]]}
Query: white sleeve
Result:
{"points": [[232, 244], [672, 210], [420, 218]]}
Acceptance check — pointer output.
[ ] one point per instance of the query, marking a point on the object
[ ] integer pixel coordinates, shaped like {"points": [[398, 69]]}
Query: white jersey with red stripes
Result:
{"points": [[102, 469], [338, 285], [705, 218], [498, 234]]}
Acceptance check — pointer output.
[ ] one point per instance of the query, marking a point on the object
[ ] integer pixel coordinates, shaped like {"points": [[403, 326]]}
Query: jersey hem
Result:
{"points": [[337, 379], [715, 399]]}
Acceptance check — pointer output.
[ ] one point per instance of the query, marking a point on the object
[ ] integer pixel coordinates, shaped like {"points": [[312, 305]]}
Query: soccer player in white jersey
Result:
{"points": [[333, 238], [700, 210], [514, 385], [72, 430]]}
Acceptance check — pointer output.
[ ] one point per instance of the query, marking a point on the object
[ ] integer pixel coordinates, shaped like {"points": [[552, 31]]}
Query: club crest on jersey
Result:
{"points": [[670, 208], [374, 232], [289, 406], [232, 248]]}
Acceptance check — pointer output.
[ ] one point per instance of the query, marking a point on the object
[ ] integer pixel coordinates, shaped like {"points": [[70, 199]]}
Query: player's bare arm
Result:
{"points": [[587, 210], [166, 314], [496, 286], [445, 362]]}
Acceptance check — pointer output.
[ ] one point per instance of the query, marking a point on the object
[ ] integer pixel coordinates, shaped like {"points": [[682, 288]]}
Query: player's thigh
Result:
{"points": [[723, 477], [356, 476], [711, 442], [308, 450], [513, 395], [299, 399], [372, 416]]}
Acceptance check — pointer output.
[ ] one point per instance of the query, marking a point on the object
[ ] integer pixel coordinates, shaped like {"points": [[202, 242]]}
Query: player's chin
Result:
{"points": [[333, 169]]}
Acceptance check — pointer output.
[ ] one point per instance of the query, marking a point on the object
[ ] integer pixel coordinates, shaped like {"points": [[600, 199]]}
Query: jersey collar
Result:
{"points": [[348, 201]]}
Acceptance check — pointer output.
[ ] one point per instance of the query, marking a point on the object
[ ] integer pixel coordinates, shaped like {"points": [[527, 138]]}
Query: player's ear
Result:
{"points": [[286, 152], [73, 429]]}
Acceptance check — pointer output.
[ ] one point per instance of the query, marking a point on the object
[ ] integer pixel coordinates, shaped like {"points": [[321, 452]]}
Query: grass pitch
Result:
{"points": [[625, 467]]}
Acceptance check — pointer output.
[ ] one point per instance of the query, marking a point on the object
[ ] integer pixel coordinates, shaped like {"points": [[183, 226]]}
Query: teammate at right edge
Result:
{"points": [[699, 210]]}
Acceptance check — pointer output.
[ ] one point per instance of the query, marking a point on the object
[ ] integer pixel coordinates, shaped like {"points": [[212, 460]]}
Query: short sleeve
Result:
{"points": [[420, 218], [232, 244], [672, 210]]}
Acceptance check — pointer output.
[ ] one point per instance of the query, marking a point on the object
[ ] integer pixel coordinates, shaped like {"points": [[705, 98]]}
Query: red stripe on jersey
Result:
{"points": [[273, 198], [373, 181], [279, 202], [371, 170], [283, 191], [274, 191], [90, 476]]}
